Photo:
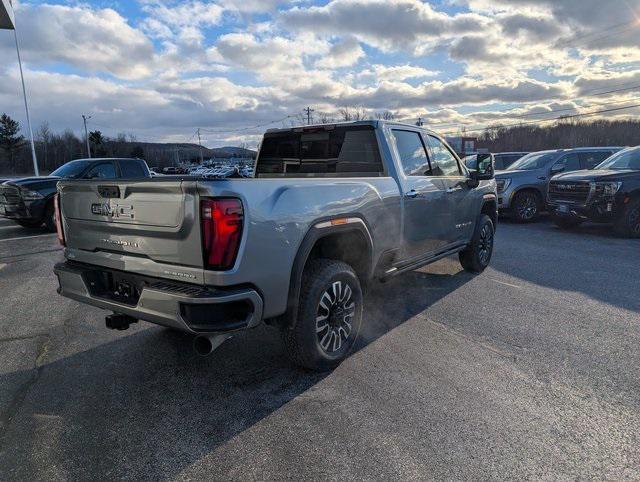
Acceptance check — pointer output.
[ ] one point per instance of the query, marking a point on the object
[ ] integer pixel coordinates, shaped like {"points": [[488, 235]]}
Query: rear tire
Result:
{"points": [[526, 207], [477, 256], [329, 316], [628, 225], [566, 222], [50, 218]]}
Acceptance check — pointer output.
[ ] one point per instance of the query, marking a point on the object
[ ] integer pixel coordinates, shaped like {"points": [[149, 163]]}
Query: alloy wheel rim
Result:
{"points": [[527, 208], [334, 317], [485, 244]]}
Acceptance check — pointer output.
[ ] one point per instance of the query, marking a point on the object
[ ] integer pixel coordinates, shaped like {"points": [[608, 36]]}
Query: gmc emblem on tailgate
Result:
{"points": [[113, 210]]}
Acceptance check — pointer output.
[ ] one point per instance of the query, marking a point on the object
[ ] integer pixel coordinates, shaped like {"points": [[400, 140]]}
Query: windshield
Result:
{"points": [[71, 169], [537, 160], [627, 159]]}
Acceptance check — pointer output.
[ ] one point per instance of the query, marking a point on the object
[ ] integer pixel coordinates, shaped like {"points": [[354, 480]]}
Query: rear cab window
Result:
{"points": [[132, 169], [330, 151], [102, 170]]}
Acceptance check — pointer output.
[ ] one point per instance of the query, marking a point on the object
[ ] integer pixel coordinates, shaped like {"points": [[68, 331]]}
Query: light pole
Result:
{"points": [[85, 118], [7, 21]]}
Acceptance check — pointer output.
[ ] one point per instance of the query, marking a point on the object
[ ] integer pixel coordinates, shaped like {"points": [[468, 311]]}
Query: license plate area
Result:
{"points": [[563, 209], [114, 286]]}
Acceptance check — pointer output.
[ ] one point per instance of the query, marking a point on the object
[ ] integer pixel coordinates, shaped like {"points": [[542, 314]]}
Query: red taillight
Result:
{"points": [[221, 220], [58, 215]]}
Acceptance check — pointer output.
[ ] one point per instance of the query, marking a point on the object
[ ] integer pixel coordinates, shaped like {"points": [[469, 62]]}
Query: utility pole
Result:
{"points": [[85, 118], [420, 123], [24, 94], [308, 110], [200, 144]]}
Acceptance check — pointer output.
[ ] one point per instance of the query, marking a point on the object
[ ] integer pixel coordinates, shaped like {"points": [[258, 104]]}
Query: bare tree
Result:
{"points": [[385, 115], [44, 135]]}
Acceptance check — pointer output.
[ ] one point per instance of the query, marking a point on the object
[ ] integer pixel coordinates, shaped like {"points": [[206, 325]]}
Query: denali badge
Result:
{"points": [[113, 210], [179, 274], [118, 242]]}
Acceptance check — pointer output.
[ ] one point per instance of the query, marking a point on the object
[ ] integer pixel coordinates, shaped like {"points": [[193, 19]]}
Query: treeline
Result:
{"points": [[55, 149], [564, 134]]}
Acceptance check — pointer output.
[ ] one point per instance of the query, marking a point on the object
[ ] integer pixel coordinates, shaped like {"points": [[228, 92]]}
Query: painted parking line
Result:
{"points": [[27, 237], [505, 283]]}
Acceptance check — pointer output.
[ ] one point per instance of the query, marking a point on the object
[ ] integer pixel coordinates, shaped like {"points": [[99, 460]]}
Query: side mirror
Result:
{"points": [[481, 167]]}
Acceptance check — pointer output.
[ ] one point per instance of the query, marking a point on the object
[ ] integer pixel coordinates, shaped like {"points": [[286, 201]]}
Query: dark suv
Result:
{"points": [[29, 201], [610, 193]]}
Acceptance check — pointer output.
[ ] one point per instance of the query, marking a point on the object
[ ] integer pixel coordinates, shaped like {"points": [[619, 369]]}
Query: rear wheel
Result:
{"points": [[526, 206], [477, 256], [628, 224], [50, 218], [329, 316], [564, 222]]}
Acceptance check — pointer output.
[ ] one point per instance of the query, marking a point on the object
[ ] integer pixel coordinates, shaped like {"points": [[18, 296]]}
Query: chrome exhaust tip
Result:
{"points": [[204, 345]]}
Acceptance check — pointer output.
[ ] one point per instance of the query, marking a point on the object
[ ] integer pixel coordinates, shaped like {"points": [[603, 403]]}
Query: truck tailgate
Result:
{"points": [[156, 220]]}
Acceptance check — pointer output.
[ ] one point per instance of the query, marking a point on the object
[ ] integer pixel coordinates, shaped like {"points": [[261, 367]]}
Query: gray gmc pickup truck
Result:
{"points": [[331, 209]]}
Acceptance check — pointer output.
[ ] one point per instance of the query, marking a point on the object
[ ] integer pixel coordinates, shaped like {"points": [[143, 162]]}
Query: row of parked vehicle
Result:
{"points": [[29, 201], [599, 184]]}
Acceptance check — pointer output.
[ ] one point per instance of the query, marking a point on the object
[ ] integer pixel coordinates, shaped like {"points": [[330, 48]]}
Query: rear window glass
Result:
{"points": [[132, 169], [341, 151]]}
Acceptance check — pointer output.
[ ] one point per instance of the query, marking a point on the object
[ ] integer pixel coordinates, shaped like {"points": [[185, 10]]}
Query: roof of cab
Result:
{"points": [[370, 122]]}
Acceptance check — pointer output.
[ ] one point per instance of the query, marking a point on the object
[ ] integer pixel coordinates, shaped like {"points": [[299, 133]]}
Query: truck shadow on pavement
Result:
{"points": [[144, 406]]}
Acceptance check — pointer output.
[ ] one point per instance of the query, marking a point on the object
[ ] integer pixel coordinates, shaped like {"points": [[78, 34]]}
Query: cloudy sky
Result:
{"points": [[161, 68]]}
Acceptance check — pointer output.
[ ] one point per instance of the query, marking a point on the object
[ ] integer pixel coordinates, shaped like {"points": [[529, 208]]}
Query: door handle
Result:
{"points": [[453, 189], [412, 194]]}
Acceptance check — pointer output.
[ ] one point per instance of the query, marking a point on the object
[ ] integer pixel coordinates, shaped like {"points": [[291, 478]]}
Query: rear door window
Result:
{"points": [[443, 162], [589, 160], [343, 151], [104, 170], [412, 152]]}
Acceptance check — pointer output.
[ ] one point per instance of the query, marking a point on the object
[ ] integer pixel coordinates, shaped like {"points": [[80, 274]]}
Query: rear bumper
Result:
{"points": [[186, 307]]}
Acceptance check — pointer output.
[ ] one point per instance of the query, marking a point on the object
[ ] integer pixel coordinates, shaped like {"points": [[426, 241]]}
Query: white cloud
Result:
{"points": [[98, 40], [169, 73], [343, 53], [379, 72], [396, 25]]}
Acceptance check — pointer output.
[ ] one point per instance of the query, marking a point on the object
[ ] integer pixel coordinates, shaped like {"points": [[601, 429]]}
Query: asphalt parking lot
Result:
{"points": [[529, 370]]}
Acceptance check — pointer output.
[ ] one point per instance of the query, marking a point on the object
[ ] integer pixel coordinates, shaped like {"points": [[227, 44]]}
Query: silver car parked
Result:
{"points": [[522, 187]]}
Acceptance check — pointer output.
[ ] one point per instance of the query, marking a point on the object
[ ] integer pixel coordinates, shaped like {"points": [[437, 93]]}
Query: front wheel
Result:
{"points": [[329, 316], [477, 255], [628, 225], [526, 207]]}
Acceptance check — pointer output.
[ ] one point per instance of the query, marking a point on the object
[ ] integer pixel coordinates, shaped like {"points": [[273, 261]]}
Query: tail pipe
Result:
{"points": [[204, 345]]}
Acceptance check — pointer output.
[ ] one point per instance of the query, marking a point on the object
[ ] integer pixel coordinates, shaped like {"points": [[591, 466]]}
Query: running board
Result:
{"points": [[393, 272]]}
